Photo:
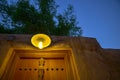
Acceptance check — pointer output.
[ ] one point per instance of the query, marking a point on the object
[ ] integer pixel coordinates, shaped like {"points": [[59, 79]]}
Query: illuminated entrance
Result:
{"points": [[41, 65]]}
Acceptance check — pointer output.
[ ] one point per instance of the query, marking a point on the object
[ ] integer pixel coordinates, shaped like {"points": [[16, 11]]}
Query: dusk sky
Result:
{"points": [[99, 19]]}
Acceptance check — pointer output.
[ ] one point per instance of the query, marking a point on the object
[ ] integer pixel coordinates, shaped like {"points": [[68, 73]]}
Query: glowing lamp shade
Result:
{"points": [[40, 40]]}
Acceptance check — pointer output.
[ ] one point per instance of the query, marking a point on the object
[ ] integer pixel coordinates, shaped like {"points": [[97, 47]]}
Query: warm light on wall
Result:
{"points": [[40, 40]]}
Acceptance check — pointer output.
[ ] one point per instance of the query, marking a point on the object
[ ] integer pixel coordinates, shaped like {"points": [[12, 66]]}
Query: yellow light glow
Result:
{"points": [[40, 44], [40, 40]]}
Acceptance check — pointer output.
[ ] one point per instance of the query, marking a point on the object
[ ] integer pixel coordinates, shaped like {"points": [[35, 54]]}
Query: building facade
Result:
{"points": [[66, 58]]}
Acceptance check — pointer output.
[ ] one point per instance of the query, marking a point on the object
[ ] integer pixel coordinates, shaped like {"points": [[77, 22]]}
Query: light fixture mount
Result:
{"points": [[40, 40]]}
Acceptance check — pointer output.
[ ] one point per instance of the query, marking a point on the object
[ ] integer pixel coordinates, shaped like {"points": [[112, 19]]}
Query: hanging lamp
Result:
{"points": [[40, 40]]}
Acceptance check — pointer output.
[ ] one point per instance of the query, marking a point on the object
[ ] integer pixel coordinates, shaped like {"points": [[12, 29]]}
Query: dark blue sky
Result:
{"points": [[98, 18]]}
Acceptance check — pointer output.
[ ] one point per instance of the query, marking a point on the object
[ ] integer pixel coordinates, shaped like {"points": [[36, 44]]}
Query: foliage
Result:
{"points": [[41, 16]]}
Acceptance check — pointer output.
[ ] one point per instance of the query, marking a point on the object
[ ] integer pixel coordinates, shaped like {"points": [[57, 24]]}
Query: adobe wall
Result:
{"points": [[93, 62]]}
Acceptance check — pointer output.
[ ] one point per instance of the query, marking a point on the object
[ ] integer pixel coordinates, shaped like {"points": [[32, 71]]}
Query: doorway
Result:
{"points": [[41, 65]]}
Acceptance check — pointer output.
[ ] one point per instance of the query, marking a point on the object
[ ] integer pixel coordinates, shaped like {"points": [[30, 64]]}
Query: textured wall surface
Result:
{"points": [[93, 62]]}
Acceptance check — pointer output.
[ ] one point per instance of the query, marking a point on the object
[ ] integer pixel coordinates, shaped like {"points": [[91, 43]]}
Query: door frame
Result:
{"points": [[7, 69]]}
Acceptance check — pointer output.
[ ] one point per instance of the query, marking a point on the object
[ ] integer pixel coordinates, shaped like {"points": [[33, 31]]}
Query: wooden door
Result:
{"points": [[28, 69], [55, 69]]}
